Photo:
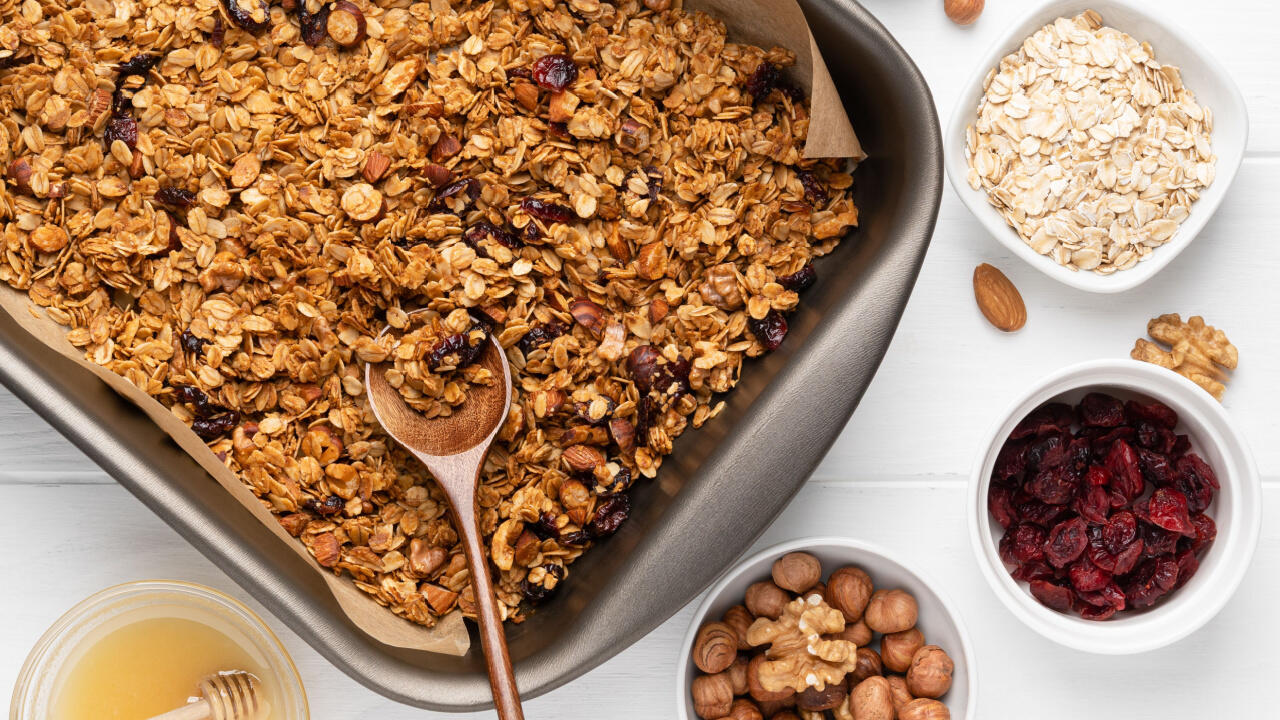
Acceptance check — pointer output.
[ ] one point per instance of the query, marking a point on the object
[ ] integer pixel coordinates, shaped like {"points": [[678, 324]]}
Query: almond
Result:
{"points": [[526, 94], [998, 299], [582, 458], [375, 166]]}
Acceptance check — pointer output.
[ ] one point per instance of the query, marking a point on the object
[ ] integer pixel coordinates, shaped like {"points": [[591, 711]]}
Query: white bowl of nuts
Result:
{"points": [[825, 628], [1114, 508], [1095, 141]]}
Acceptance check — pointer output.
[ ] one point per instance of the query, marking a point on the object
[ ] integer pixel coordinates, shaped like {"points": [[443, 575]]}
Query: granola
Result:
{"points": [[433, 360], [226, 206], [1089, 147]]}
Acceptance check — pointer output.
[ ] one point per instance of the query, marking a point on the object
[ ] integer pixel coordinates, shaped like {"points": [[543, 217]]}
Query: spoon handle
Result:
{"points": [[492, 638]]}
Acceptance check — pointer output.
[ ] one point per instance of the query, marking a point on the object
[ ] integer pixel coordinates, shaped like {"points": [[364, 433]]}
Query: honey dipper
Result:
{"points": [[224, 696]]}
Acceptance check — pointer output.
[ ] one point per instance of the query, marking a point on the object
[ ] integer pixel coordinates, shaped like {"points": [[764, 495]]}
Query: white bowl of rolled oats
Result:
{"points": [[1095, 141]]}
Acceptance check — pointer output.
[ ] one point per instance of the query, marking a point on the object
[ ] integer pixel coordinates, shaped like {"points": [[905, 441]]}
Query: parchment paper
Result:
{"points": [[766, 23], [769, 23]]}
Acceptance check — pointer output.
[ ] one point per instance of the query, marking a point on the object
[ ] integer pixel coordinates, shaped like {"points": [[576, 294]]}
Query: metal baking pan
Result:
{"points": [[715, 495]]}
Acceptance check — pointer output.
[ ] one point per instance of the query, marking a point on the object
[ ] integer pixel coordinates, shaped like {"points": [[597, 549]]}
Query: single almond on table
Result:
{"points": [[963, 12], [998, 299]]}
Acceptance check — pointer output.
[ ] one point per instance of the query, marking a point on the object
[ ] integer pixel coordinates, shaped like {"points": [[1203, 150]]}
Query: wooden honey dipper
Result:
{"points": [[225, 696]]}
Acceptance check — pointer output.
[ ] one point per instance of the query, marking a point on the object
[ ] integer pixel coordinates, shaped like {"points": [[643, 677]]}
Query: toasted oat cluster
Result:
{"points": [[226, 203], [433, 360]]}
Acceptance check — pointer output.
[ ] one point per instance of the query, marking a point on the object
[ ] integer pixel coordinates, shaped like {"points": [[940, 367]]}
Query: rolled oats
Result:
{"points": [[296, 197], [1091, 149]]}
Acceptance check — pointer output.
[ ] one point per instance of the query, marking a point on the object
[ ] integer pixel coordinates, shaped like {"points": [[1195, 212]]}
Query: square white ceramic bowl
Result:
{"points": [[1203, 75], [1236, 509]]}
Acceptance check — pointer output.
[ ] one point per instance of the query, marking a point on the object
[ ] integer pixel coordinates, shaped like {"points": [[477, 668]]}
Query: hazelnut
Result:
{"points": [[632, 136], [715, 648], [898, 648], [924, 709], [857, 633], [712, 696], [848, 590], [797, 571], [891, 611], [781, 714], [963, 12], [526, 94], [657, 5], [929, 675], [869, 665], [589, 315], [815, 700], [756, 690], [899, 692], [744, 709], [871, 700], [737, 673], [20, 174], [739, 618], [346, 24], [764, 599]]}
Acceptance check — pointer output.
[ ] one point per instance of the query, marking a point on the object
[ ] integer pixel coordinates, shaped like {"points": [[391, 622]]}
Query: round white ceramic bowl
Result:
{"points": [[1237, 510], [1207, 78], [939, 621]]}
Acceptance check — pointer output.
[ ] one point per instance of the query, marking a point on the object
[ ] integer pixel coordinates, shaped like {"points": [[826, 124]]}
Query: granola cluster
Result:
{"points": [[433, 360], [226, 203]]}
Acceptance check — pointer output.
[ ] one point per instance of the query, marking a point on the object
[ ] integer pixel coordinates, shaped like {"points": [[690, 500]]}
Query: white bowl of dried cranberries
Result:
{"points": [[862, 635], [1115, 508]]}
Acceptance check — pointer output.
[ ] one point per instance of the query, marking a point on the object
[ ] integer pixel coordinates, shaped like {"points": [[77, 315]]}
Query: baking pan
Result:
{"points": [[715, 494]]}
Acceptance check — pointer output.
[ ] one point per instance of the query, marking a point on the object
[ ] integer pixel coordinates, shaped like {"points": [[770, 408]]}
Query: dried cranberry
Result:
{"points": [[1168, 509], [651, 371], [1128, 557], [554, 72], [1087, 577], [1032, 510], [770, 330], [763, 80], [1011, 462], [1122, 461], [1155, 467], [1206, 531], [1098, 476], [313, 27], [1051, 595], [1151, 581], [1099, 556], [487, 230], [1047, 451], [1198, 471], [541, 334], [331, 505], [191, 343], [576, 538], [1094, 504], [545, 526], [219, 33], [537, 593], [609, 516], [1154, 412], [1052, 485], [1158, 541], [212, 428], [1101, 410], [1066, 542], [800, 280], [1120, 530], [244, 19], [1181, 445], [547, 212], [1049, 418], [190, 394], [123, 128], [1090, 612], [1030, 572], [1154, 437], [1101, 439], [814, 192], [459, 350], [1000, 503], [1188, 564], [139, 64], [438, 204], [175, 197], [619, 483], [1024, 543]]}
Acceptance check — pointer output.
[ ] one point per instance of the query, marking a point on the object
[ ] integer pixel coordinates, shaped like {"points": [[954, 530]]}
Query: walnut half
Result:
{"points": [[1197, 351], [799, 657]]}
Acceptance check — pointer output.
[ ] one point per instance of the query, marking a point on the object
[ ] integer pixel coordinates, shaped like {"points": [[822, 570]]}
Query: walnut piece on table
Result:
{"points": [[1197, 351]]}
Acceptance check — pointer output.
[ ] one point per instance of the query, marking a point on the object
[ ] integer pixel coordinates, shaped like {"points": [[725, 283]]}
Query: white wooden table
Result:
{"points": [[895, 477]]}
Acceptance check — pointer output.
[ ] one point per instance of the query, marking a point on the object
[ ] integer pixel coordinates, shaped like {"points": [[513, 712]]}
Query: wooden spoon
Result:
{"points": [[225, 696], [453, 448]]}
